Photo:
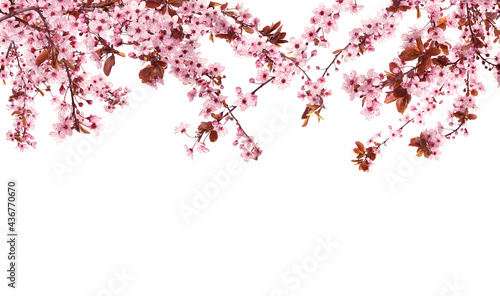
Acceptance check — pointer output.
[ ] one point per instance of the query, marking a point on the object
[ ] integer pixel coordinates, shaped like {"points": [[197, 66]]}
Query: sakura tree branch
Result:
{"points": [[73, 104], [262, 85]]}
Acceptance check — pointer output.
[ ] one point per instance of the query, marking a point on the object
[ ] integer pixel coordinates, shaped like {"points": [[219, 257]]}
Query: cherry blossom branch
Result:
{"points": [[455, 130], [73, 104], [230, 111], [18, 12], [334, 60], [399, 129], [165, 36], [262, 85]]}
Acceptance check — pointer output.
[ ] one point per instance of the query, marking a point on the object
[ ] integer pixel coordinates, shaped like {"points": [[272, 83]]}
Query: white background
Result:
{"points": [[116, 209]]}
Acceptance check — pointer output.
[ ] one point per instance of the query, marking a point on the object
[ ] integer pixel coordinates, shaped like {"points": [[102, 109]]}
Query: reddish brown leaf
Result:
{"points": [[147, 73], [178, 33], [393, 66], [442, 26], [424, 65], [102, 51], [420, 45], [55, 63], [153, 3], [360, 146], [306, 112], [402, 103], [433, 51], [442, 20], [216, 116], [306, 121], [248, 30], [421, 145], [391, 98], [223, 36], [444, 49], [83, 130], [466, 47], [400, 92], [108, 65], [213, 136], [171, 11], [42, 57], [205, 126], [409, 54], [275, 26], [175, 3]]}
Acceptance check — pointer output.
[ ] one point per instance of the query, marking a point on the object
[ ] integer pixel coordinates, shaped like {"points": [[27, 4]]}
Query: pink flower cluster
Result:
{"points": [[249, 148], [435, 140]]}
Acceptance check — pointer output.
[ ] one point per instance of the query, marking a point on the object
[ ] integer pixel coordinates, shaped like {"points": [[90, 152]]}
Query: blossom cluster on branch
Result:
{"points": [[47, 43]]}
